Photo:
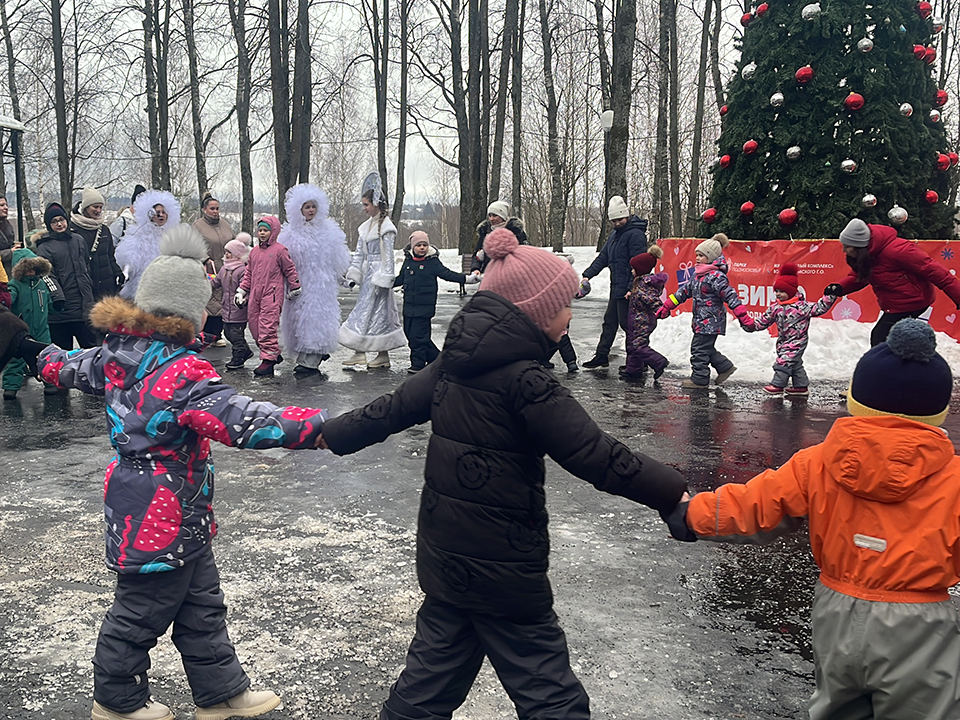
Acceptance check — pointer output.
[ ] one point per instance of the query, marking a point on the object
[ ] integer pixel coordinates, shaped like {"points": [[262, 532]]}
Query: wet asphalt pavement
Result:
{"points": [[316, 555]]}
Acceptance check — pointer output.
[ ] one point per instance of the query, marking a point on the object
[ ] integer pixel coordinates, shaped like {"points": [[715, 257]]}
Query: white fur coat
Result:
{"points": [[141, 243], [385, 271], [310, 322]]}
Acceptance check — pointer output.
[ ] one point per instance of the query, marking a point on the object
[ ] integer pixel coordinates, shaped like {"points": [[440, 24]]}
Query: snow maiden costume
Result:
{"points": [[310, 323], [141, 243], [374, 323]]}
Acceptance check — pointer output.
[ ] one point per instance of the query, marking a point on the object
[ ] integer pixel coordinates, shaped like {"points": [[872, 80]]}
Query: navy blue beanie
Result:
{"points": [[903, 376], [53, 211]]}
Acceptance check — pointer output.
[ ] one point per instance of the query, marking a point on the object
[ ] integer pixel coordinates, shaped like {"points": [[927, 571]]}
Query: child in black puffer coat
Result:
{"points": [[482, 543]]}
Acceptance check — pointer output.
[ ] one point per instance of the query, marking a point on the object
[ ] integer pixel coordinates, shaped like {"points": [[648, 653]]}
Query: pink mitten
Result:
{"points": [[664, 312]]}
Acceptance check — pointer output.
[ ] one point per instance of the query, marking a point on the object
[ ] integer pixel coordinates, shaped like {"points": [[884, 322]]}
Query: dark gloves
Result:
{"points": [[28, 350], [834, 289], [677, 522]]}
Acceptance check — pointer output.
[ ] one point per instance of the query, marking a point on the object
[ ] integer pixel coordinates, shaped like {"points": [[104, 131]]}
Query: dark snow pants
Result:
{"points": [[642, 356], [144, 606], [422, 349], [887, 321], [236, 336], [530, 658], [567, 353], [614, 317], [63, 333], [703, 354]]}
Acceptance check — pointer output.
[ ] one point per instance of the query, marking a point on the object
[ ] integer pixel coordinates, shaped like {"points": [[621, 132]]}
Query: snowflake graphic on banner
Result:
{"points": [[845, 313], [947, 254]]}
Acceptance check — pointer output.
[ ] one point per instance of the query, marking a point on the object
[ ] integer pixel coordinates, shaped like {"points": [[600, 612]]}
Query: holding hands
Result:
{"points": [[472, 279], [664, 312], [240, 298], [294, 293]]}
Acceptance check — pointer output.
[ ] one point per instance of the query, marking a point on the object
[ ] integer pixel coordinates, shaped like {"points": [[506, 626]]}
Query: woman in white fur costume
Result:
{"points": [[311, 322], [374, 324], [155, 212]]}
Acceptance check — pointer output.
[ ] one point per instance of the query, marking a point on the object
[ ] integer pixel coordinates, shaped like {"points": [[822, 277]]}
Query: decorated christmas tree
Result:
{"points": [[833, 113]]}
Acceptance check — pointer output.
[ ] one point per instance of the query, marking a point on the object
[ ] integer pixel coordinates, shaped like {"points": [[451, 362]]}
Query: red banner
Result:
{"points": [[754, 266]]}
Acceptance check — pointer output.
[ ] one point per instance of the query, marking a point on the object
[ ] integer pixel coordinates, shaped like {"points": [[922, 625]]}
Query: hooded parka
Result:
{"points": [[67, 254], [622, 244]]}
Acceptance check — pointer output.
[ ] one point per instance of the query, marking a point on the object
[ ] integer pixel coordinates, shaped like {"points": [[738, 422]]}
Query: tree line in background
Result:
{"points": [[502, 99]]}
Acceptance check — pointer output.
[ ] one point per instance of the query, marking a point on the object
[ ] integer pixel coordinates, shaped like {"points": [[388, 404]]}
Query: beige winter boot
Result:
{"points": [[150, 711], [358, 358], [382, 360], [247, 704]]}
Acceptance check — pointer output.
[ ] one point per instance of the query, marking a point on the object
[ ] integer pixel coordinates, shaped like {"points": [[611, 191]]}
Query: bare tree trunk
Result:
{"points": [[675, 206], [15, 103], [661, 178], [302, 101], [60, 105], [690, 226], [598, 6], [75, 109], [161, 32], [715, 54], [198, 148], [485, 105], [556, 212], [402, 140], [621, 91], [238, 20], [516, 94], [509, 28], [378, 28], [474, 204], [280, 84], [465, 241], [150, 77]]}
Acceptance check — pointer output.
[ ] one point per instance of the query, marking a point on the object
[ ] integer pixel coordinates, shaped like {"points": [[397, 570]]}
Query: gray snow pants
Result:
{"points": [[703, 354], [144, 606], [884, 661], [794, 369]]}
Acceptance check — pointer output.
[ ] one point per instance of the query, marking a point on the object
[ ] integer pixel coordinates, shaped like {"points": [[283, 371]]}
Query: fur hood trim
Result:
{"points": [[513, 224], [146, 201], [40, 266], [116, 314], [431, 252], [300, 194]]}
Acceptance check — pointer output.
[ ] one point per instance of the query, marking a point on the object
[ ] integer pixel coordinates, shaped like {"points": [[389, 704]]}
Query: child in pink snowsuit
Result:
{"points": [[792, 315], [263, 286]]}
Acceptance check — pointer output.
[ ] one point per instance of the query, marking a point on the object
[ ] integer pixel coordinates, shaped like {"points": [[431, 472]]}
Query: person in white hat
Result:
{"points": [[498, 216]]}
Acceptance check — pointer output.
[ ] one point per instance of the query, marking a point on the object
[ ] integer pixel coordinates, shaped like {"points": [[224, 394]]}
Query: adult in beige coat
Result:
{"points": [[217, 232]]}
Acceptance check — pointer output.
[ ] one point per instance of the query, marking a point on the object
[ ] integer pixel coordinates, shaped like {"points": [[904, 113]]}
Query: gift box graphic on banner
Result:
{"points": [[685, 271]]}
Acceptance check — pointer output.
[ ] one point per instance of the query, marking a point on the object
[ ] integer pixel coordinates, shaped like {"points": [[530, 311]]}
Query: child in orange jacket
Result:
{"points": [[882, 497]]}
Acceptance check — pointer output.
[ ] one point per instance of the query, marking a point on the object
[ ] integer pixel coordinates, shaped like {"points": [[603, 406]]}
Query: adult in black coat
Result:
{"points": [[628, 239], [498, 216], [482, 541], [418, 277], [87, 222], [8, 237], [67, 254]]}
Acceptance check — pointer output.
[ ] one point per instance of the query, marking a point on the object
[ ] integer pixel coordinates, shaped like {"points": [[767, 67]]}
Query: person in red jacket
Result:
{"points": [[901, 274], [881, 495]]}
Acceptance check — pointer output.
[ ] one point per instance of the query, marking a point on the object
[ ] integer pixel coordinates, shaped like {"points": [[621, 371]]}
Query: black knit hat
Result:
{"points": [[138, 190], [904, 376], [53, 211]]}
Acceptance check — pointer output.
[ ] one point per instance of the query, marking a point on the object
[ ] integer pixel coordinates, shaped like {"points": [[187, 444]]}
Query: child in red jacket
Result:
{"points": [[882, 497]]}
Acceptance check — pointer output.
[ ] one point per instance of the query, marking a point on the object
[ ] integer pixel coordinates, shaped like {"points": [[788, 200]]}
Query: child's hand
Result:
{"points": [[240, 299], [676, 521], [628, 294], [320, 443], [748, 324], [833, 289], [663, 312], [295, 292], [471, 279]]}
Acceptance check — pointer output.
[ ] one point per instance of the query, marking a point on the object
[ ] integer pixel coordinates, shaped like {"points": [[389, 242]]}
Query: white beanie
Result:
{"points": [[499, 208], [617, 208], [713, 248], [175, 283], [90, 196]]}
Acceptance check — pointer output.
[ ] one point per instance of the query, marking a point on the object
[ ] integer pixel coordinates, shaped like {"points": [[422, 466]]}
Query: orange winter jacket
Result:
{"points": [[882, 497]]}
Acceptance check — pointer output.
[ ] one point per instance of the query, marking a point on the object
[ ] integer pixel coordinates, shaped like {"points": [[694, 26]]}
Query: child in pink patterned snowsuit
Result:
{"points": [[792, 315], [645, 300], [269, 269]]}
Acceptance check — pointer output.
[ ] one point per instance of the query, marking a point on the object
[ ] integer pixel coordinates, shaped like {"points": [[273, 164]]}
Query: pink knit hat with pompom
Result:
{"points": [[535, 280]]}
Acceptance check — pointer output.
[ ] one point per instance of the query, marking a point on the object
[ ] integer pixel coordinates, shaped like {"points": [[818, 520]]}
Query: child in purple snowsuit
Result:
{"points": [[645, 300], [271, 276], [164, 404], [792, 315], [229, 277], [709, 289]]}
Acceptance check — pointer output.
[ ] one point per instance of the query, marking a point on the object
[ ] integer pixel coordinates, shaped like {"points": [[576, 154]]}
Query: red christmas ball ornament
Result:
{"points": [[931, 197], [854, 101], [787, 217], [725, 161], [709, 215], [762, 9], [745, 19], [940, 98], [750, 147], [804, 75], [723, 110], [943, 162], [930, 55], [919, 51], [924, 9], [954, 158], [747, 208]]}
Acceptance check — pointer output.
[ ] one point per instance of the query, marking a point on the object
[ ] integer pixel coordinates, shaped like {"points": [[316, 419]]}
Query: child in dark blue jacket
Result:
{"points": [[418, 277]]}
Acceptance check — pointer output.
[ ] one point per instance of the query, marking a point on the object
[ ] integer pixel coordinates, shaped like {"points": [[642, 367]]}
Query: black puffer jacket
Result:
{"points": [[68, 254], [104, 270], [482, 542], [418, 276], [514, 225]]}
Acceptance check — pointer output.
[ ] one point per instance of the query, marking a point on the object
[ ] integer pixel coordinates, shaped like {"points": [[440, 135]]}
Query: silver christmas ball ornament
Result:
{"points": [[811, 11], [906, 109], [793, 152], [776, 99], [865, 45], [934, 115], [936, 25], [748, 70], [848, 165], [897, 215], [869, 201]]}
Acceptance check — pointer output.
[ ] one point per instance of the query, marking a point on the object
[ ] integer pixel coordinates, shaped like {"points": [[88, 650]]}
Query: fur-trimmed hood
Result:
{"points": [[295, 199], [40, 266], [513, 224], [146, 202], [114, 314]]}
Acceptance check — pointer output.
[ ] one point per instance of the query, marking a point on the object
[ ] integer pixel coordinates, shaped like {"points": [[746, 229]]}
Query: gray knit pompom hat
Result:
{"points": [[175, 283]]}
